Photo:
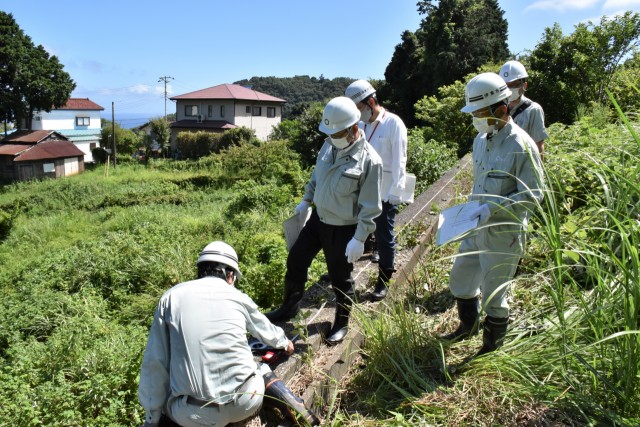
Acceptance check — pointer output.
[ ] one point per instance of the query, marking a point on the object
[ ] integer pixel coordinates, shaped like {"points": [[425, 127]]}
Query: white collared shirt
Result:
{"points": [[388, 136]]}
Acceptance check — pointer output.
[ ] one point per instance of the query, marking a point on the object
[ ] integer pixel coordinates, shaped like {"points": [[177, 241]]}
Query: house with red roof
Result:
{"points": [[78, 120], [37, 154], [226, 106]]}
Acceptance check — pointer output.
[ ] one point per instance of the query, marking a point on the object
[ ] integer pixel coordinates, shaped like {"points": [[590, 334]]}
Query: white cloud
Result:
{"points": [[562, 5], [621, 4], [140, 88]]}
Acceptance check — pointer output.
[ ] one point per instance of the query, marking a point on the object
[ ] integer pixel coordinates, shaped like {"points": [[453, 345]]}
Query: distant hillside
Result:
{"points": [[298, 90]]}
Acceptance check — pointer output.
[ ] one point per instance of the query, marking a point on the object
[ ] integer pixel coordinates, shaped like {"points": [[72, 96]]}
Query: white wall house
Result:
{"points": [[224, 107], [78, 120]]}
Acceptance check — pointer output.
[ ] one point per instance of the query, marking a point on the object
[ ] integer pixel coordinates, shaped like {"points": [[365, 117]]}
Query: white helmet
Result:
{"points": [[339, 114], [484, 90], [513, 70], [222, 253], [359, 90]]}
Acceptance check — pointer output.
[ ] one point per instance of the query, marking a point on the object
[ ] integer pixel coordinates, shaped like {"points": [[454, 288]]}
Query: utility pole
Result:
{"points": [[165, 79], [113, 131]]}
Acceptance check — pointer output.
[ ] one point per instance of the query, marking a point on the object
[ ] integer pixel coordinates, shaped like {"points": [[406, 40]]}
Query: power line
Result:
{"points": [[165, 79]]}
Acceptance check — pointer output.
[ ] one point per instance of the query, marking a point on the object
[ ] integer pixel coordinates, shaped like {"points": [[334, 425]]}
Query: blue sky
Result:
{"points": [[117, 50]]}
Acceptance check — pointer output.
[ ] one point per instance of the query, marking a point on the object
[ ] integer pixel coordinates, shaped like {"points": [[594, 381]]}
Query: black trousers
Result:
{"points": [[333, 240]]}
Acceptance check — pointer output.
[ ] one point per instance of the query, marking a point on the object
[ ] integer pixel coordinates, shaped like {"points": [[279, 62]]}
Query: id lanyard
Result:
{"points": [[374, 129]]}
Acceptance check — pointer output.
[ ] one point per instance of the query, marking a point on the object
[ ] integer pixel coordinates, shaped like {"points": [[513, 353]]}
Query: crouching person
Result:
{"points": [[198, 369]]}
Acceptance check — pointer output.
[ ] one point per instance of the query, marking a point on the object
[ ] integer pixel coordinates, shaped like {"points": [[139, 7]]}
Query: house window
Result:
{"points": [[222, 111], [82, 121], [190, 110], [49, 167], [257, 111], [271, 111], [210, 110], [248, 110], [92, 146]]}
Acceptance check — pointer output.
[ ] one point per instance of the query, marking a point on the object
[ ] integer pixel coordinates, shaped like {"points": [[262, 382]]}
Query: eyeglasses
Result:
{"points": [[485, 112], [516, 84], [340, 134]]}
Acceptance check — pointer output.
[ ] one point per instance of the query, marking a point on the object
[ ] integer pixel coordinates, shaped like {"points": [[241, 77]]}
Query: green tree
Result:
{"points": [[43, 83], [569, 71], [441, 118], [299, 91], [30, 79], [14, 45], [160, 132], [454, 39], [399, 92], [127, 141], [625, 85], [303, 134]]}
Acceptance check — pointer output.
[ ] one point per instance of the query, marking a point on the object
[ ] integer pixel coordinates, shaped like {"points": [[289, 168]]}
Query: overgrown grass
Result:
{"points": [[572, 354]]}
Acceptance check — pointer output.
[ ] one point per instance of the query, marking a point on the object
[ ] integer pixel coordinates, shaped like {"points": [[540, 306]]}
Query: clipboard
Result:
{"points": [[454, 222], [293, 226]]}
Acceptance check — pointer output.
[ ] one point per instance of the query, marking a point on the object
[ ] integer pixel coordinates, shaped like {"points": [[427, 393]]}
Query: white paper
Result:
{"points": [[454, 221], [409, 186], [293, 226]]}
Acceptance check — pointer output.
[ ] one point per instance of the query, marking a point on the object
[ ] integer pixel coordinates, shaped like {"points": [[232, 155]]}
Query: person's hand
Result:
{"points": [[394, 200], [355, 249], [290, 348], [482, 212], [302, 207]]}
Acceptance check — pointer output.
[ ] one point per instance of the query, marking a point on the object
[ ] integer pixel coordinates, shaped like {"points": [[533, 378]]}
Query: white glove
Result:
{"points": [[482, 212], [355, 249], [302, 207], [303, 210], [394, 200]]}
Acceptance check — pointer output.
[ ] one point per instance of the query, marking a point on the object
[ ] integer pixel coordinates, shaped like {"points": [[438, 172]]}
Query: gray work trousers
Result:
{"points": [[486, 263]]}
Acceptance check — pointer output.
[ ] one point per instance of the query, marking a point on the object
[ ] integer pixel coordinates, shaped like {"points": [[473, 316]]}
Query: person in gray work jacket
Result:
{"points": [[508, 182], [526, 113], [345, 191], [198, 369], [387, 134]]}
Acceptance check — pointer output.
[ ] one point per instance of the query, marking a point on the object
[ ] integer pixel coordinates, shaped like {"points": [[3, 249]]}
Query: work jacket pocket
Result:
{"points": [[348, 181], [498, 184]]}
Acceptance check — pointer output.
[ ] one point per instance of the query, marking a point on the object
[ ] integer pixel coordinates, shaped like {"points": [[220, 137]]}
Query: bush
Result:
{"points": [[99, 154], [6, 220], [194, 145], [428, 159]]}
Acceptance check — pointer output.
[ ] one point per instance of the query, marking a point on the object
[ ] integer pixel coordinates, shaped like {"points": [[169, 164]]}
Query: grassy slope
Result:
{"points": [[572, 355]]}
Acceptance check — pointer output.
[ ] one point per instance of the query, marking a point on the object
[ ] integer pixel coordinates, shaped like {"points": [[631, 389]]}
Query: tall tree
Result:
{"points": [[30, 79], [567, 71], [455, 38], [14, 45], [400, 93]]}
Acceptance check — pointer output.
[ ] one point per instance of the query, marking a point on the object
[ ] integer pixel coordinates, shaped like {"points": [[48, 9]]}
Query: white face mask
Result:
{"points": [[482, 125], [366, 114], [515, 94], [340, 143]]}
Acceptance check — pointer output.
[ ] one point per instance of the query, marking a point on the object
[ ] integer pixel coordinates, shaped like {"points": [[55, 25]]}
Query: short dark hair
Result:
{"points": [[213, 269], [372, 96]]}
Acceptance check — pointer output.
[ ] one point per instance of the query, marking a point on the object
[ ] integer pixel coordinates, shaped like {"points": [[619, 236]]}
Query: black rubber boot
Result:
{"points": [[278, 394], [493, 333], [290, 306], [382, 285], [468, 312], [341, 322]]}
